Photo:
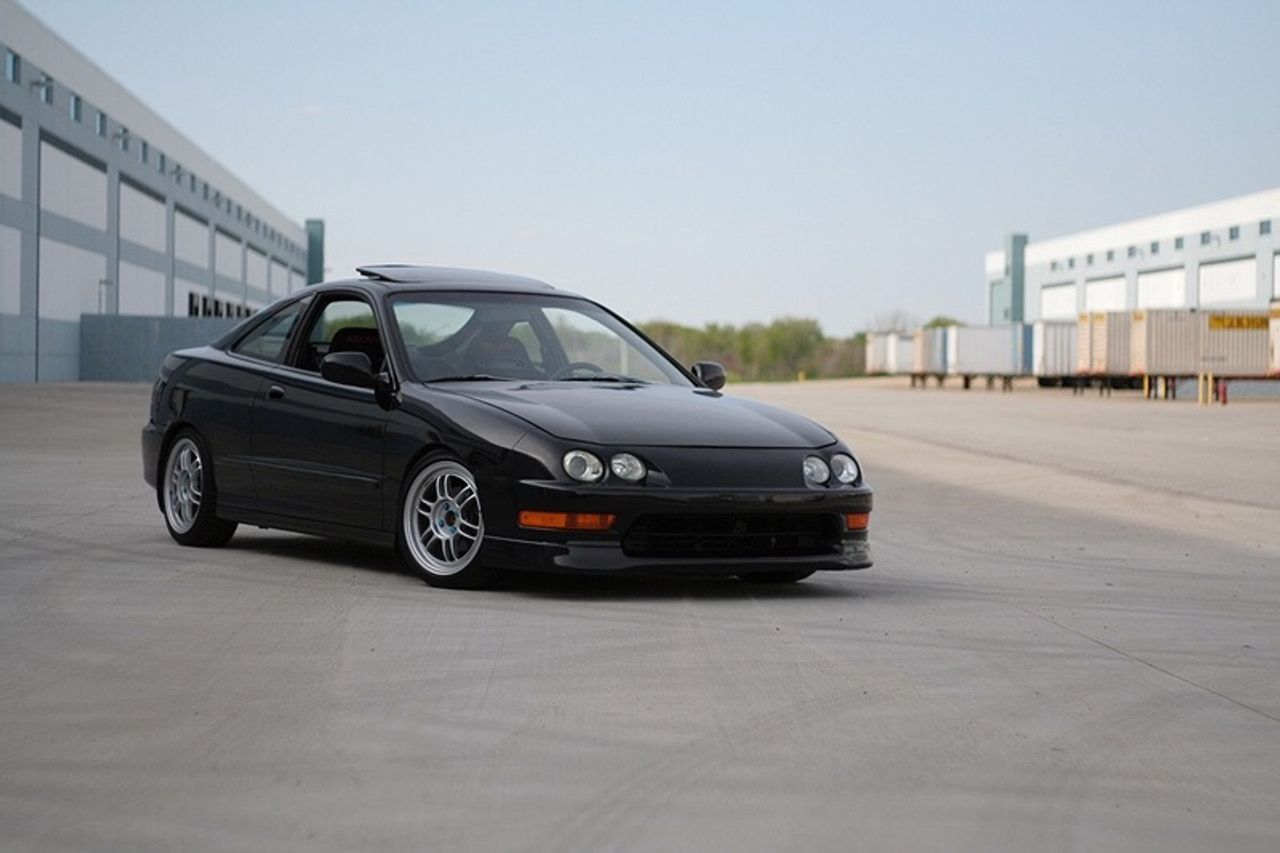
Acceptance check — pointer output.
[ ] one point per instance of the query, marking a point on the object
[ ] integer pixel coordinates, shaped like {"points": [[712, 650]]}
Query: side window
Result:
{"points": [[270, 338], [345, 324]]}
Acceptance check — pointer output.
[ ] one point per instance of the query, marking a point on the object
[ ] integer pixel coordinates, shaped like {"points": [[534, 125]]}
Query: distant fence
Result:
{"points": [[121, 348]]}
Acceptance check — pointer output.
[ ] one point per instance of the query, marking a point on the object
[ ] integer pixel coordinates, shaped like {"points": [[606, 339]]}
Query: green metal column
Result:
{"points": [[315, 251]]}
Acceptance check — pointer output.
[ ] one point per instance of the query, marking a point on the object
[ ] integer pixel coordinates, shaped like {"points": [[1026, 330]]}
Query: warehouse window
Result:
{"points": [[74, 107], [1178, 242], [123, 136], [1204, 238], [1233, 233], [193, 305], [12, 67], [162, 163], [46, 89], [100, 123], [1155, 247], [1111, 254], [1071, 263], [1133, 251], [1264, 227], [1053, 265], [1088, 259], [144, 151]]}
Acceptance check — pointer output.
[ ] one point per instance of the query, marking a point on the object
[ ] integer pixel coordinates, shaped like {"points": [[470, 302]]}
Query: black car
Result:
{"points": [[480, 422]]}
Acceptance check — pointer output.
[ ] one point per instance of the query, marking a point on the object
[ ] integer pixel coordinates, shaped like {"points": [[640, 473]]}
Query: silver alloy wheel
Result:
{"points": [[183, 485], [443, 525]]}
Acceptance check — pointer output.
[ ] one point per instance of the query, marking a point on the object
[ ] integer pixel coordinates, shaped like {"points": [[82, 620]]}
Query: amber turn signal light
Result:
{"points": [[857, 520], [536, 520]]}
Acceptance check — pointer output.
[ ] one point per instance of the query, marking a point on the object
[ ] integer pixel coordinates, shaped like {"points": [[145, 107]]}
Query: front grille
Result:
{"points": [[733, 536]]}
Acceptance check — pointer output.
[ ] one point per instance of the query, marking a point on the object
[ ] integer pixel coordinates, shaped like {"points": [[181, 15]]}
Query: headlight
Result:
{"points": [[584, 466], [627, 467], [845, 468], [816, 471]]}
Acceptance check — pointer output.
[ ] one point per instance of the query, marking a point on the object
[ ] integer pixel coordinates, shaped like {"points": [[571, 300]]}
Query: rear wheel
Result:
{"points": [[442, 526], [775, 577], [189, 496]]}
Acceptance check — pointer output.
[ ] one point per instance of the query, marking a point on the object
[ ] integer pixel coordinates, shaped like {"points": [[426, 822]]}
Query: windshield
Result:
{"points": [[479, 336]]}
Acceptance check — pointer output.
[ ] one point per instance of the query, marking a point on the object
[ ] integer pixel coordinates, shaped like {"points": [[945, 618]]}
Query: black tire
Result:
{"points": [[793, 576], [189, 494], [441, 526]]}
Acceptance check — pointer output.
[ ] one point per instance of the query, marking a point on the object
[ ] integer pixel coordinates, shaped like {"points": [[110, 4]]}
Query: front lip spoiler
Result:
{"points": [[607, 557]]}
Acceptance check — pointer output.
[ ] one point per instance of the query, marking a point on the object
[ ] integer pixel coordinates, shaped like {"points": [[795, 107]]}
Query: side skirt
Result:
{"points": [[327, 530]]}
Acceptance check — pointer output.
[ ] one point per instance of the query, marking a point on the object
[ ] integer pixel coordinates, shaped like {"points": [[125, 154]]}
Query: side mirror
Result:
{"points": [[348, 368], [710, 374]]}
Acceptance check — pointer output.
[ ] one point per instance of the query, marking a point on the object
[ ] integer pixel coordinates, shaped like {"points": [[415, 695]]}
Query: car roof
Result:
{"points": [[451, 278]]}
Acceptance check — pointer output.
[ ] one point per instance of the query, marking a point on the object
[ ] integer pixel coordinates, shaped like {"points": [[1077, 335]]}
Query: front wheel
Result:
{"points": [[775, 577], [189, 497], [442, 526]]}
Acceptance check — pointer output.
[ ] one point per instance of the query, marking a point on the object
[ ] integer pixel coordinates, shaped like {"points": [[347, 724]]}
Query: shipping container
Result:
{"points": [[877, 353], [931, 351], [1053, 348], [1104, 343], [1165, 342], [987, 350], [1235, 343], [1275, 340], [1084, 344], [902, 354]]}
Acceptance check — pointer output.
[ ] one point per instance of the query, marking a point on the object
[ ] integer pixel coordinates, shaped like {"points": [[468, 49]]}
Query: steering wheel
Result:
{"points": [[574, 366]]}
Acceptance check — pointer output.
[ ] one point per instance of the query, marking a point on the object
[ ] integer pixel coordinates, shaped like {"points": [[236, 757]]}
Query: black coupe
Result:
{"points": [[480, 422]]}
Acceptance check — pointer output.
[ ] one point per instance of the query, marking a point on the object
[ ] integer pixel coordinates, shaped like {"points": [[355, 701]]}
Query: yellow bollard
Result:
{"points": [[800, 376], [1146, 387]]}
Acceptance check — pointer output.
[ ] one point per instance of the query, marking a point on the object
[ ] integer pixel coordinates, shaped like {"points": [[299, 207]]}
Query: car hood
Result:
{"points": [[647, 415]]}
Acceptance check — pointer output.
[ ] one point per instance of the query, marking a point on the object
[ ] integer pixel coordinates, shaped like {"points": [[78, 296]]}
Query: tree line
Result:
{"points": [[782, 350]]}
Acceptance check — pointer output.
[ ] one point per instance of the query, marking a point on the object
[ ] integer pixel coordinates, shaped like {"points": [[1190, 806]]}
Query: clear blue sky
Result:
{"points": [[710, 161]]}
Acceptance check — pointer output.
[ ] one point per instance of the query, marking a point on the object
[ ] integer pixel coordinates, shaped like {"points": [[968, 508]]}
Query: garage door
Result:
{"points": [[1229, 281], [1105, 294], [1163, 288]]}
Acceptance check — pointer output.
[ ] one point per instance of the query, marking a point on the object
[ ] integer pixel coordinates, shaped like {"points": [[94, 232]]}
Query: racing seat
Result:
{"points": [[499, 356], [356, 339]]}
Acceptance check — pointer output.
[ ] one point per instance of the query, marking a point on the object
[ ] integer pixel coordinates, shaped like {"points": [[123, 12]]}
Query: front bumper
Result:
{"points": [[511, 547]]}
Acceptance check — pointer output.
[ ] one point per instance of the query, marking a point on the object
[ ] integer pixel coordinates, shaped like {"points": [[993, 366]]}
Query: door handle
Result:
{"points": [[275, 392]]}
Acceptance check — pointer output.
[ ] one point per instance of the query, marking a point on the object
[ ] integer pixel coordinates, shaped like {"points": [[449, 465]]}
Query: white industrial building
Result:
{"points": [[107, 209], [1219, 255]]}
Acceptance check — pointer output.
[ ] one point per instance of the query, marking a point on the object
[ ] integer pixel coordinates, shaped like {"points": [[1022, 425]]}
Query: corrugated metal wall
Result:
{"points": [[121, 348]]}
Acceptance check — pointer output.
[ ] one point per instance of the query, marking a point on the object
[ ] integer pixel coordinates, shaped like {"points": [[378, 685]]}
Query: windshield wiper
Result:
{"points": [[472, 377], [606, 377]]}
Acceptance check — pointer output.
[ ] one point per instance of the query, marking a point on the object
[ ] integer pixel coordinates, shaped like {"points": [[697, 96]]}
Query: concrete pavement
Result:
{"points": [[1070, 640]]}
